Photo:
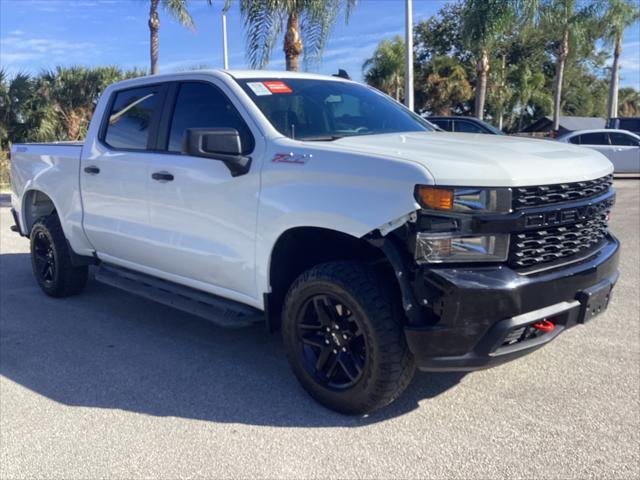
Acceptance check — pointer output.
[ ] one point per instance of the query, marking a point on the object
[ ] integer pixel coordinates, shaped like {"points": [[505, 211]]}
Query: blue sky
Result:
{"points": [[39, 34]]}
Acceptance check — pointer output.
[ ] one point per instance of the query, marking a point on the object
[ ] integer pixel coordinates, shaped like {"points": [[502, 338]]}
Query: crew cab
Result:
{"points": [[330, 212]]}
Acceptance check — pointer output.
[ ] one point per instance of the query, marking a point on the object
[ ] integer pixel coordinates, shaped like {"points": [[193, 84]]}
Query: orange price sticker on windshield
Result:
{"points": [[277, 87]]}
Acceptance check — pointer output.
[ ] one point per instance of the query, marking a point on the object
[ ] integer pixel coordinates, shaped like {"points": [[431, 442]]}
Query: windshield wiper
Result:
{"points": [[320, 138]]}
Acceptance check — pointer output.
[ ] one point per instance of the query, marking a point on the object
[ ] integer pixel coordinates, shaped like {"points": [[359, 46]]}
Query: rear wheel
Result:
{"points": [[51, 260], [342, 341]]}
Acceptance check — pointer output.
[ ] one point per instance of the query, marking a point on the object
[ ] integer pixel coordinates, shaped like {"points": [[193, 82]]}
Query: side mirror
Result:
{"points": [[222, 144]]}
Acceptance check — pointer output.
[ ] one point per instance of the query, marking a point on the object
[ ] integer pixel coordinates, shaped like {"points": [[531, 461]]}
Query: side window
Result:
{"points": [[443, 124], [200, 105], [576, 139], [130, 118], [622, 139], [467, 127], [596, 138]]}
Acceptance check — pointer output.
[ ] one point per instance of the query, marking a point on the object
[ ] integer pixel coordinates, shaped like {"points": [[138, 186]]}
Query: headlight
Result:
{"points": [[464, 200], [447, 248]]}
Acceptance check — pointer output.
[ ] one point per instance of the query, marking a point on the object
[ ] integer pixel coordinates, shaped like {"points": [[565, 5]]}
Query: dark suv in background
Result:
{"points": [[631, 124], [464, 125]]}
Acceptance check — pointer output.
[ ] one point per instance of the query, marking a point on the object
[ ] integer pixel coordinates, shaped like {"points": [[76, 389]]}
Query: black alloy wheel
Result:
{"points": [[44, 258], [331, 342], [344, 341], [51, 261]]}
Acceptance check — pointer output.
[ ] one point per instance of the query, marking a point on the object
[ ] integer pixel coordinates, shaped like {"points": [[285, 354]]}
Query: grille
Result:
{"points": [[527, 197], [554, 243]]}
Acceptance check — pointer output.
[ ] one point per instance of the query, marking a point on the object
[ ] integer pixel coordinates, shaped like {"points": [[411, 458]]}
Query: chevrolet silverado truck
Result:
{"points": [[327, 210]]}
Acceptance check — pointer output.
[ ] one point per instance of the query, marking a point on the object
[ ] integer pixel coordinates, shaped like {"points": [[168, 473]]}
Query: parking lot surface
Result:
{"points": [[107, 385]]}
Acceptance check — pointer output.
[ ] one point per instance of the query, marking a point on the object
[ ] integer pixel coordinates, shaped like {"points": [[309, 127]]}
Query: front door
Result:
{"points": [[203, 218]]}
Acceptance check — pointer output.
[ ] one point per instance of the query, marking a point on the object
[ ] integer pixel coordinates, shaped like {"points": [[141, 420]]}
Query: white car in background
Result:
{"points": [[621, 147]]}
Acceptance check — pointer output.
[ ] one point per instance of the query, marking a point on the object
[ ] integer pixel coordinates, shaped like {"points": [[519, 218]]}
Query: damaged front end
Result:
{"points": [[470, 295]]}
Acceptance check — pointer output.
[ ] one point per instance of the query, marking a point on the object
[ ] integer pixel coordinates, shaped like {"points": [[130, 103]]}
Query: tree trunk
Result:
{"points": [[502, 84], [482, 68], [613, 88], [398, 82], [292, 43], [154, 26], [563, 52]]}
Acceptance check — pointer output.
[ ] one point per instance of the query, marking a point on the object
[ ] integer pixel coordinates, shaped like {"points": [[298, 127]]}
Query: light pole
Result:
{"points": [[225, 57], [408, 40]]}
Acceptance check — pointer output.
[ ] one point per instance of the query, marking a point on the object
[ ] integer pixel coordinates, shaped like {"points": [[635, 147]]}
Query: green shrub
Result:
{"points": [[4, 170]]}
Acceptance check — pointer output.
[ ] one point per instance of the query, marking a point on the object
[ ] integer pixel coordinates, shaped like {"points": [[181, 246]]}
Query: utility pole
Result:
{"points": [[408, 40], [225, 57]]}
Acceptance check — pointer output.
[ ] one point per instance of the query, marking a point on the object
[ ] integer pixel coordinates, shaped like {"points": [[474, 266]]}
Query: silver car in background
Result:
{"points": [[621, 147]]}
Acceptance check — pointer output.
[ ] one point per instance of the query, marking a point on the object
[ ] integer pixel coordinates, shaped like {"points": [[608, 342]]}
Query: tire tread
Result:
{"points": [[396, 365]]}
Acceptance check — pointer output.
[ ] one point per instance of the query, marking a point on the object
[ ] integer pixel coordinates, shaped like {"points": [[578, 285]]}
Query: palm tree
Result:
{"points": [[629, 102], [619, 15], [482, 23], [443, 86], [499, 92], [178, 10], [308, 24], [529, 87], [568, 23], [68, 96], [385, 69]]}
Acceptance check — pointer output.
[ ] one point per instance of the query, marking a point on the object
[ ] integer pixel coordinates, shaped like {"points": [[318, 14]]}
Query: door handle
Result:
{"points": [[92, 170], [162, 176]]}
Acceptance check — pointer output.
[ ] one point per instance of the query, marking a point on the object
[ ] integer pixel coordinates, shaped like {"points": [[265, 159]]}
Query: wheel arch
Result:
{"points": [[300, 248], [35, 204]]}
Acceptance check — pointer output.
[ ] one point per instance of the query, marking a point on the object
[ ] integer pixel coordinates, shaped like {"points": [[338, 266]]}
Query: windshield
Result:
{"points": [[305, 109]]}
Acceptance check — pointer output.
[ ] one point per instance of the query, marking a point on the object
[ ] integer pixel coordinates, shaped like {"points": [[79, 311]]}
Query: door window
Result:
{"points": [[623, 140], [130, 118], [443, 124], [467, 127], [595, 138], [202, 105]]}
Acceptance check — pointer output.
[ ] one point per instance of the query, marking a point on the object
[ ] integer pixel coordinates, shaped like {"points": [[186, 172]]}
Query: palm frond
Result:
{"points": [[178, 10], [263, 20]]}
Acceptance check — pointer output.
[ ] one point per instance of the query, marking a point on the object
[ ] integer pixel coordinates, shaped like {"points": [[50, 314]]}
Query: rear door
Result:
{"points": [[626, 150], [203, 218], [115, 176]]}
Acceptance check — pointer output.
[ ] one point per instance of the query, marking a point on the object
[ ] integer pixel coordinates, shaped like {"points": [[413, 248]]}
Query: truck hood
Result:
{"points": [[484, 160]]}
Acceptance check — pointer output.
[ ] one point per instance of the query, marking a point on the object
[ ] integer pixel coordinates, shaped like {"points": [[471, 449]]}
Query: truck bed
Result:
{"points": [[50, 168]]}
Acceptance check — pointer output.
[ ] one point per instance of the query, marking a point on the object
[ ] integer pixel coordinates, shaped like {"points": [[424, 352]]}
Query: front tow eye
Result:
{"points": [[544, 326]]}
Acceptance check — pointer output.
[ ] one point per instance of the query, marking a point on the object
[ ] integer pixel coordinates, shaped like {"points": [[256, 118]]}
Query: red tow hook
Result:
{"points": [[544, 326]]}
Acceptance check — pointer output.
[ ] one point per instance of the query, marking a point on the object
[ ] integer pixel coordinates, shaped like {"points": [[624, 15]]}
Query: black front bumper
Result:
{"points": [[477, 308]]}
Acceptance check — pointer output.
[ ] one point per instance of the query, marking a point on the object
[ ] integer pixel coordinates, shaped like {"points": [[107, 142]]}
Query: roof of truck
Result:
{"points": [[243, 74], [237, 74]]}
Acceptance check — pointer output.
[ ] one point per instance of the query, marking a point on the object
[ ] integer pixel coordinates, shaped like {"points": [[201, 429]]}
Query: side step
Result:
{"points": [[218, 310]]}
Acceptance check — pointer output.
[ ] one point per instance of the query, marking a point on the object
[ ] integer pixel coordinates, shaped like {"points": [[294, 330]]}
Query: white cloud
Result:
{"points": [[17, 49], [16, 33]]}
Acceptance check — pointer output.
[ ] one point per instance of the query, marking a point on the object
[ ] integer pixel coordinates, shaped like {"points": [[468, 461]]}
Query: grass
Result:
{"points": [[4, 172]]}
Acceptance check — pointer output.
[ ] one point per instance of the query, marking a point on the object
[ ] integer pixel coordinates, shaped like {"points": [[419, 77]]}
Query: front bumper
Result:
{"points": [[477, 308]]}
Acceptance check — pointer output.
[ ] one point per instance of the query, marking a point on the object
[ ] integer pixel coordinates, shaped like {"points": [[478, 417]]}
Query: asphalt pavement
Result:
{"points": [[107, 385]]}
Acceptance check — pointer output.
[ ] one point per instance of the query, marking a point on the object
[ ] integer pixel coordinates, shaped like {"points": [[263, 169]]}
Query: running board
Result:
{"points": [[218, 310]]}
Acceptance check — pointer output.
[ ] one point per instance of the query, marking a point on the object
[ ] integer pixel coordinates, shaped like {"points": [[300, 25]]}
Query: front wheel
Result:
{"points": [[342, 341], [51, 259]]}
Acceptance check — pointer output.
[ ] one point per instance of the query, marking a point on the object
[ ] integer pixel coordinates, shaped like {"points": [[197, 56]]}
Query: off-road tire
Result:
{"points": [[389, 365], [64, 279]]}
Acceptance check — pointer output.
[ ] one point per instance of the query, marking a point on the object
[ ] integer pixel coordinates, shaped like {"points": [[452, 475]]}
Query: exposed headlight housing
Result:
{"points": [[464, 199], [448, 248]]}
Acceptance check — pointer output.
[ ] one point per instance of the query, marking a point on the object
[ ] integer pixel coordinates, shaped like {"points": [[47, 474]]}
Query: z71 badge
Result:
{"points": [[297, 158]]}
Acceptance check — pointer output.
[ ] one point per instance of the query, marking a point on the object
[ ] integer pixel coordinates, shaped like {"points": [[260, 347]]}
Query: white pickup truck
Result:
{"points": [[324, 208]]}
